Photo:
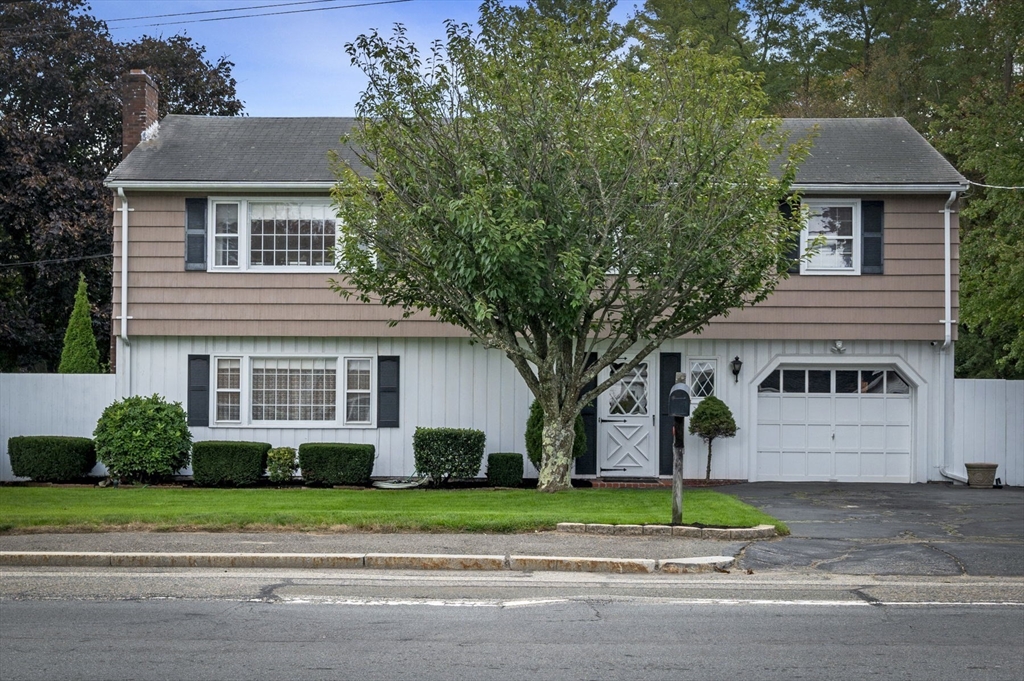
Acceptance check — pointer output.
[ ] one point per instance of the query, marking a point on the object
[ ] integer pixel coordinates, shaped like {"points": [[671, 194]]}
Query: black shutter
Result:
{"points": [[793, 252], [671, 364], [198, 390], [387, 392], [195, 234], [587, 464], [872, 224]]}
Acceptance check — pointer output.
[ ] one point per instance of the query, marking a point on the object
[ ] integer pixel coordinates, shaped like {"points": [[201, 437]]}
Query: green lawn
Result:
{"points": [[474, 510]]}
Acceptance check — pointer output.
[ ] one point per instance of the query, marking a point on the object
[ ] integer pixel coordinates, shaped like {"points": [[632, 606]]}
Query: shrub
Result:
{"points": [[336, 463], [712, 419], [281, 464], [143, 438], [505, 470], [535, 435], [49, 458], [80, 355], [236, 464], [446, 453]]}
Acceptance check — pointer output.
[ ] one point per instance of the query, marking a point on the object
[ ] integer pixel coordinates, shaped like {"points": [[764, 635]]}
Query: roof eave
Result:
{"points": [[835, 188], [161, 185]]}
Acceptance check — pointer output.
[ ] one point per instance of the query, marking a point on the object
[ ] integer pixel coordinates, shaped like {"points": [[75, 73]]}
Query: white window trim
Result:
{"points": [[806, 267], [245, 242], [341, 384], [690, 361], [217, 390], [343, 400]]}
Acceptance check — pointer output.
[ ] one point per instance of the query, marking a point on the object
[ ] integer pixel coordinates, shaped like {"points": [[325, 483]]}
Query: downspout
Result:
{"points": [[946, 364], [125, 362]]}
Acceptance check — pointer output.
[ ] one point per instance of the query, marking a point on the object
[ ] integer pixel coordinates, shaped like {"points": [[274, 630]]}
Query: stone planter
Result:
{"points": [[981, 475]]}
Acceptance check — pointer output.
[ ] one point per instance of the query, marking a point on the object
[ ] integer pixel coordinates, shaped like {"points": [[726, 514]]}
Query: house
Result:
{"points": [[223, 228]]}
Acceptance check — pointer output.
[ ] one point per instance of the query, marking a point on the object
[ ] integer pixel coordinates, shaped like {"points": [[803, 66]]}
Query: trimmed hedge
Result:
{"points": [[51, 458], [504, 469], [336, 463], [447, 453], [217, 463]]}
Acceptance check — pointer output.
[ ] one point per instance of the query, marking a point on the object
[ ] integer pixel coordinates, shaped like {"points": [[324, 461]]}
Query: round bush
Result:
{"points": [[51, 458], [143, 439], [535, 435], [281, 464]]}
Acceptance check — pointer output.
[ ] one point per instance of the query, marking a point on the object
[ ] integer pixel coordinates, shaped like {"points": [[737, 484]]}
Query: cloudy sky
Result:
{"points": [[291, 61]]}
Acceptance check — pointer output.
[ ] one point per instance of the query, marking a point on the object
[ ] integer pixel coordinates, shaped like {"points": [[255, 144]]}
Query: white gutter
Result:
{"points": [[152, 185], [948, 381], [125, 362], [948, 273], [814, 187]]}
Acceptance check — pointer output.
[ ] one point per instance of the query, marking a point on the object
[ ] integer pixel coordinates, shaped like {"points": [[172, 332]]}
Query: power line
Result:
{"points": [[992, 186], [55, 262], [219, 11], [263, 14]]}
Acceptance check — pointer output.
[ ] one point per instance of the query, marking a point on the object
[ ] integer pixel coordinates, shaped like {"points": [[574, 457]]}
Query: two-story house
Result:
{"points": [[223, 235]]}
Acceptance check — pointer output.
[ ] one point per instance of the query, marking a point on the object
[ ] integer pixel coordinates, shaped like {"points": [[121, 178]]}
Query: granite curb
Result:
{"points": [[722, 533], [384, 561]]}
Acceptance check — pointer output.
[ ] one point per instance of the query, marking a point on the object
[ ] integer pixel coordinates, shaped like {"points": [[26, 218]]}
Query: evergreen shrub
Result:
{"points": [[336, 463], [448, 453], [143, 439], [710, 420], [535, 435], [505, 469], [281, 464], [80, 354], [217, 463], [51, 458]]}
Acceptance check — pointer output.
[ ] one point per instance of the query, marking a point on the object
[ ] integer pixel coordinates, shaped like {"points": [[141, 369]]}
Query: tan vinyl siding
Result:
{"points": [[904, 303]]}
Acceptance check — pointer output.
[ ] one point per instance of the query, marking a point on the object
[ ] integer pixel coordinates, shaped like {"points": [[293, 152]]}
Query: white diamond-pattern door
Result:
{"points": [[625, 442]]}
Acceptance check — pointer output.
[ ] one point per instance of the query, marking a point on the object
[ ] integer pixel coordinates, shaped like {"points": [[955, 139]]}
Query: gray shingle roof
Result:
{"points": [[209, 149], [885, 151]]}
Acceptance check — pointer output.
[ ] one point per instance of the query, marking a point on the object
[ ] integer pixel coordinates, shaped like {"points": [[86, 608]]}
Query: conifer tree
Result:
{"points": [[80, 355]]}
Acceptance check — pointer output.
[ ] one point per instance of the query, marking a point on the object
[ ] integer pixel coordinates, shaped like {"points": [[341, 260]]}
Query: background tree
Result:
{"points": [[80, 355], [518, 171], [60, 134], [711, 420]]}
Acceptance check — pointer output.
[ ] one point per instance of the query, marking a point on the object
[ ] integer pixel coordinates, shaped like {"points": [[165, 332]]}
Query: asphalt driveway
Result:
{"points": [[859, 529]]}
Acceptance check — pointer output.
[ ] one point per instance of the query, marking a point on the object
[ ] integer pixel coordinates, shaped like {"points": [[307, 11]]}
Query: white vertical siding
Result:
{"points": [[51, 404], [989, 427]]}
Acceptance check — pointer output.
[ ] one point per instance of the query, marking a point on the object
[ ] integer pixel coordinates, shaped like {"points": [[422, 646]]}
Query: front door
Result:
{"points": [[625, 433]]}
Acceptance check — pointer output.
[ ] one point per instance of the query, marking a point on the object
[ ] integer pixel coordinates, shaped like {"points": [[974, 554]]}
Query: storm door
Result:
{"points": [[625, 433]]}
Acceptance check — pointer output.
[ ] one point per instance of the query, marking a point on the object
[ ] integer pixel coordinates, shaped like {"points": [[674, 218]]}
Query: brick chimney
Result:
{"points": [[140, 109]]}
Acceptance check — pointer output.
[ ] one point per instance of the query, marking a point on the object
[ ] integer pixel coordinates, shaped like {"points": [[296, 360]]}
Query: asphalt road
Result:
{"points": [[589, 638]]}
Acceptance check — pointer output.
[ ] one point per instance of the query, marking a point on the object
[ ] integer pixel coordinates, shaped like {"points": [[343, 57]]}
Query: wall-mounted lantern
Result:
{"points": [[737, 364]]}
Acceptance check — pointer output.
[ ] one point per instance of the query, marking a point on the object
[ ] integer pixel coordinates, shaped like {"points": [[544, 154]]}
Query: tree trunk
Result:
{"points": [[707, 477], [556, 458]]}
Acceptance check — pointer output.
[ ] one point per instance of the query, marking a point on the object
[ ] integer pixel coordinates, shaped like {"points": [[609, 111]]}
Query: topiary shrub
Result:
{"points": [[505, 470], [447, 453], [80, 355], [51, 458], [143, 439], [281, 464], [712, 419], [535, 435], [336, 463], [218, 463]]}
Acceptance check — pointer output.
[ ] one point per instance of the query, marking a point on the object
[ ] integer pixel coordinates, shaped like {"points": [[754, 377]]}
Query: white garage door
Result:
{"points": [[848, 425]]}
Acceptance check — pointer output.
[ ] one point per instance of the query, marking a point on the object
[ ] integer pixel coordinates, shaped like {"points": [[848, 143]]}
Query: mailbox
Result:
{"points": [[679, 400]]}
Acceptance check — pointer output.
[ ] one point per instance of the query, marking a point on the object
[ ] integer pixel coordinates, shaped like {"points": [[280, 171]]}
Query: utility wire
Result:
{"points": [[264, 14], [992, 186], [219, 11], [55, 262]]}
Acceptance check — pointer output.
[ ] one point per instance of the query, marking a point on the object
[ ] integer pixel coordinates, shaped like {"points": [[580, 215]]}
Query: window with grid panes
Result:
{"points": [[229, 389], [702, 378], [357, 390], [294, 389]]}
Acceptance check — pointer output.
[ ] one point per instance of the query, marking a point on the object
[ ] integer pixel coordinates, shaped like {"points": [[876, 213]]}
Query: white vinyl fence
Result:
{"points": [[51, 404], [989, 427]]}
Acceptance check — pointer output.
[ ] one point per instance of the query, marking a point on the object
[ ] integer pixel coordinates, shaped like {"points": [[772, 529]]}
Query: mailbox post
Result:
{"points": [[679, 408]]}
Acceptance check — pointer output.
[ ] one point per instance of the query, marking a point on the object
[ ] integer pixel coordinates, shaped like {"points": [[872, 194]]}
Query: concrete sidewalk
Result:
{"points": [[538, 551]]}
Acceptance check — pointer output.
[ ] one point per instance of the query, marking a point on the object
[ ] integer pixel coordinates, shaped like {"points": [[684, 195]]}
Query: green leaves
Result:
{"points": [[80, 355], [143, 438]]}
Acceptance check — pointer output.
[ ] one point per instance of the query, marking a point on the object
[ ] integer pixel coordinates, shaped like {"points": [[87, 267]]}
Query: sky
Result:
{"points": [[289, 64]]}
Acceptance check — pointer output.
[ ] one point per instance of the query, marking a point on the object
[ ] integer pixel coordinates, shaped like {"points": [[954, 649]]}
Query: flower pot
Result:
{"points": [[981, 475]]}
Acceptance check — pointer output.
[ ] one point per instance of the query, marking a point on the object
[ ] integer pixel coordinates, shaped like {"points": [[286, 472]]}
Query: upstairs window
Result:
{"points": [[831, 237], [273, 234]]}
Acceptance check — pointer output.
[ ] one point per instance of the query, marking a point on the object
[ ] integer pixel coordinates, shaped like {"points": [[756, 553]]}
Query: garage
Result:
{"points": [[834, 424]]}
